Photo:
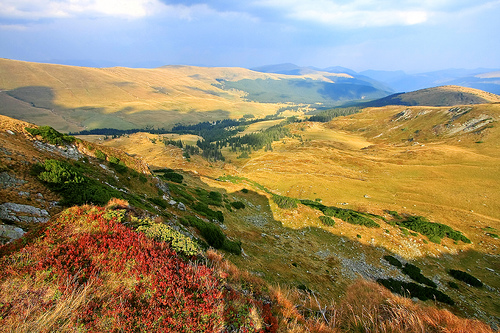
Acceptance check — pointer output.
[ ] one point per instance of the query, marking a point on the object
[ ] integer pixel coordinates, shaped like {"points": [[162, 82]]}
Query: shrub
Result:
{"points": [[410, 289], [204, 210], [326, 220], [453, 285], [172, 176], [285, 202], [74, 187], [50, 135], [244, 190], [238, 204], [346, 215], [118, 165], [393, 261], [179, 242], [416, 275], [434, 231], [100, 155], [465, 277]]}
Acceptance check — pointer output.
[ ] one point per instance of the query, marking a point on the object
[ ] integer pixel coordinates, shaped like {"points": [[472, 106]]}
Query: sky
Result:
{"points": [[409, 35]]}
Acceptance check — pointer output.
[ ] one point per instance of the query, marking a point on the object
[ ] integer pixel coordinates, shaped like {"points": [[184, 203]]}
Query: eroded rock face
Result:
{"points": [[23, 213]]}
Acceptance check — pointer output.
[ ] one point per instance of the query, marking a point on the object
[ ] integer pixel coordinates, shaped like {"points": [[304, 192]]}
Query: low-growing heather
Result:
{"points": [[90, 273]]}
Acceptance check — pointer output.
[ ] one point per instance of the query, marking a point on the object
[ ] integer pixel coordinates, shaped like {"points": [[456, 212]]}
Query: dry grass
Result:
{"points": [[368, 307]]}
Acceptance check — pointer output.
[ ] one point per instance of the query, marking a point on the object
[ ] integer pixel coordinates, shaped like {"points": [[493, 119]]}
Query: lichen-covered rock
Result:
{"points": [[23, 213], [11, 232]]}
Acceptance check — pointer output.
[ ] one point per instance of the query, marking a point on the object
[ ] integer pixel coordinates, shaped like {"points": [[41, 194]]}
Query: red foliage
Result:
{"points": [[141, 285], [169, 294]]}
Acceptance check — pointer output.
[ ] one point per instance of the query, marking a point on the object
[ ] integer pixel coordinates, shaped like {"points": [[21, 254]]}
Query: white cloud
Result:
{"points": [[367, 13], [40, 9]]}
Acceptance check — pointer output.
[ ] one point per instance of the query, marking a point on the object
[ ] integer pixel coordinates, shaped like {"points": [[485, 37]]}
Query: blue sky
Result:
{"points": [[413, 35]]}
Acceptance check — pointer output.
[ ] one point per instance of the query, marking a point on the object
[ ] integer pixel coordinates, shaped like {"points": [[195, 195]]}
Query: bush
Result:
{"points": [[172, 176], [74, 187], [346, 215], [118, 165], [285, 202], [410, 289], [179, 242], [465, 277], [326, 220], [50, 135], [393, 261], [238, 204], [100, 155], [434, 231], [416, 275], [204, 210]]}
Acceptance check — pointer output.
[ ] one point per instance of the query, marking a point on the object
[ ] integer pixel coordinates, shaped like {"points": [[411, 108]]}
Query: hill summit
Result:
{"points": [[438, 96]]}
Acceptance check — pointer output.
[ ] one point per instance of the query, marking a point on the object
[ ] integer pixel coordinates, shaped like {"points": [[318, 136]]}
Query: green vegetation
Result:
{"points": [[285, 202], [465, 277], [70, 182], [326, 220], [170, 175], [179, 242], [50, 135], [203, 209], [238, 204], [346, 215], [411, 289], [213, 234], [118, 165], [416, 275], [434, 231], [393, 261], [326, 116], [100, 155]]}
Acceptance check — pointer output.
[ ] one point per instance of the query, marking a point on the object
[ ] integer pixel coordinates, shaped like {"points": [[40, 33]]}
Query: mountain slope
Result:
{"points": [[126, 98], [439, 96], [140, 266]]}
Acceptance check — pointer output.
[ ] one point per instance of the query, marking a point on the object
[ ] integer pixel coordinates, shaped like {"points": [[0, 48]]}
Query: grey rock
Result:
{"points": [[23, 213], [6, 180], [181, 206], [11, 232]]}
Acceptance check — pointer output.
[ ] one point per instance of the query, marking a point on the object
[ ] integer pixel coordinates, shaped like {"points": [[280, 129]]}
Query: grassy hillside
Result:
{"points": [[439, 96], [75, 98], [141, 262], [387, 163]]}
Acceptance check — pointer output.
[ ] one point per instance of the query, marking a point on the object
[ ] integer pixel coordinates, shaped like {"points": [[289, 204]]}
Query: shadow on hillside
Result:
{"points": [[41, 108], [313, 258]]}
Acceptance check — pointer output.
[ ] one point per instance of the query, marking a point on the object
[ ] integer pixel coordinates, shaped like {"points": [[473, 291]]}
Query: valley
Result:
{"points": [[298, 208]]}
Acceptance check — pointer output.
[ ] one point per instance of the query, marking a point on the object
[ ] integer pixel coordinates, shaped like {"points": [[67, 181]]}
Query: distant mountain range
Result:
{"points": [[486, 79]]}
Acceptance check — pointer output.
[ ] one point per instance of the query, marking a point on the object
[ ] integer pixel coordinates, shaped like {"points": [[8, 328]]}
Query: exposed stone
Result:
{"points": [[23, 213], [6, 180], [181, 206], [11, 232]]}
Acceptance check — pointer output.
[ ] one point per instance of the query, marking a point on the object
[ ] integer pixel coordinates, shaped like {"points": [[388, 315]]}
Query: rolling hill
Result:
{"points": [[438, 96], [75, 98]]}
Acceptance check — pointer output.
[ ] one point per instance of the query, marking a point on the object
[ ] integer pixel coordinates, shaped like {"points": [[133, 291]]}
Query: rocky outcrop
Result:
{"points": [[23, 213]]}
